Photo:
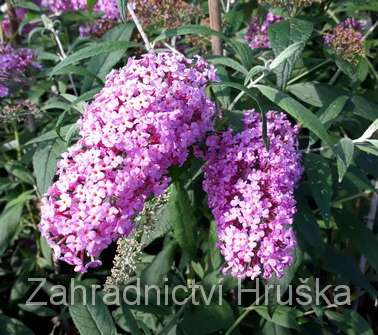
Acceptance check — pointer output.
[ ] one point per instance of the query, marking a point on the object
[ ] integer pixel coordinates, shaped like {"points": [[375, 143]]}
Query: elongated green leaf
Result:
{"points": [[361, 238], [10, 326], [91, 4], [333, 110], [50, 135], [345, 267], [344, 150], [155, 273], [101, 65], [10, 220], [283, 316], [316, 94], [122, 7], [91, 51], [81, 71], [297, 111], [307, 229], [330, 113], [350, 322], [130, 320], [370, 131], [91, 318], [182, 219], [320, 180], [292, 33], [286, 54], [207, 319], [229, 62], [44, 162], [189, 30]]}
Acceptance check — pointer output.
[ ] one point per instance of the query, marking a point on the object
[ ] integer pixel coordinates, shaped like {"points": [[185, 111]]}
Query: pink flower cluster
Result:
{"points": [[108, 7], [250, 191], [257, 33], [14, 65], [346, 40], [142, 122]]}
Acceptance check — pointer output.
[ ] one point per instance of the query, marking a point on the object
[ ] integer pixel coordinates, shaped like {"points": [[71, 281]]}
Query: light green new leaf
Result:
{"points": [[93, 50], [288, 37], [91, 318], [344, 150], [44, 162]]}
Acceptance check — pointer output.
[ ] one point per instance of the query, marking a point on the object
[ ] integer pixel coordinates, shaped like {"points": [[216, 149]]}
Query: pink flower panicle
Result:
{"points": [[257, 33], [250, 192], [142, 122]]}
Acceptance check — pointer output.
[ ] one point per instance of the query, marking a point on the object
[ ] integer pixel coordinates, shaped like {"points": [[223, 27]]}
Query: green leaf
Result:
{"points": [[331, 112], [91, 318], [101, 65], [316, 94], [365, 108], [130, 320], [344, 150], [328, 114], [122, 7], [350, 322], [283, 35], [297, 111], [344, 267], [359, 235], [320, 181], [10, 220], [41, 311], [91, 4], [307, 229], [229, 62], [81, 71], [189, 30], [207, 319], [289, 52], [44, 162], [93, 50], [182, 219], [283, 316], [10, 326], [51, 134], [155, 272], [369, 132]]}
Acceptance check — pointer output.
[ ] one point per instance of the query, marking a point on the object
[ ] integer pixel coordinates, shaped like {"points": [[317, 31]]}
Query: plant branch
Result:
{"points": [[215, 24], [139, 26]]}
